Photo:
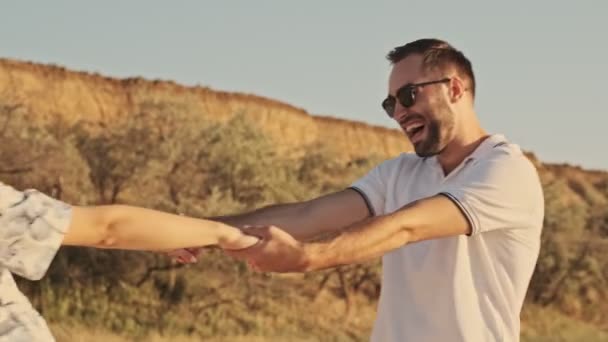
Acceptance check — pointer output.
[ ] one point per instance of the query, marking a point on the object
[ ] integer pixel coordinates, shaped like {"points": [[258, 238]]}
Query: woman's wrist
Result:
{"points": [[232, 238]]}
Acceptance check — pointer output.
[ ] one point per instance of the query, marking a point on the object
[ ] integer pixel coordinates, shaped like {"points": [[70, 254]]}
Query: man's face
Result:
{"points": [[429, 122]]}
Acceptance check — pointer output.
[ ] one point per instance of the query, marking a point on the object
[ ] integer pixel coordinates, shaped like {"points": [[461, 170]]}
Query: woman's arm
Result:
{"points": [[33, 226], [127, 227]]}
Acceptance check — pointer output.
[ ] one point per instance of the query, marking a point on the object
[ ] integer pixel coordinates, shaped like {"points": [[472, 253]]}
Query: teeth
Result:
{"points": [[410, 128]]}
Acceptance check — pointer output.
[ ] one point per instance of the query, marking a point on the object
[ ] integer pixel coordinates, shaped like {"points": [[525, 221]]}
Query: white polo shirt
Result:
{"points": [[461, 288]]}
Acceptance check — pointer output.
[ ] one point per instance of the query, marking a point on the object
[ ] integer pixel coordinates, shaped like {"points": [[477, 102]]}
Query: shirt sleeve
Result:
{"points": [[501, 192], [372, 187], [32, 227]]}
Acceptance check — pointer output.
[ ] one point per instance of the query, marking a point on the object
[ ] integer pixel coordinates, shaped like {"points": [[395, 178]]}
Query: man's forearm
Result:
{"points": [[359, 243], [431, 218], [290, 217], [306, 220]]}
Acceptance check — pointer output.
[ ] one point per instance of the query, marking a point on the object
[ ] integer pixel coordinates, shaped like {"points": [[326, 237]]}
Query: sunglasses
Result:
{"points": [[406, 96]]}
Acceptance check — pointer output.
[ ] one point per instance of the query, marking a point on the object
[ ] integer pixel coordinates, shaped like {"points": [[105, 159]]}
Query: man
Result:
{"points": [[457, 224]]}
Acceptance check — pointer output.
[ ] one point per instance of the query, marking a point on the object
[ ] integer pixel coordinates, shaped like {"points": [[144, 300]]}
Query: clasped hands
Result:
{"points": [[275, 251]]}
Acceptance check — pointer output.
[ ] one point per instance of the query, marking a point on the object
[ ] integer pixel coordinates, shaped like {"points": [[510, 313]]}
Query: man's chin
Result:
{"points": [[425, 154], [424, 151]]}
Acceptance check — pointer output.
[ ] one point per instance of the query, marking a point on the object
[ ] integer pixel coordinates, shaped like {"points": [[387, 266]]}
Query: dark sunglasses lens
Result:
{"points": [[389, 106], [406, 96]]}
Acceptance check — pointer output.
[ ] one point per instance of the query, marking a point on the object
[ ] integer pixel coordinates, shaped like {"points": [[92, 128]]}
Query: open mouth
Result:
{"points": [[415, 131]]}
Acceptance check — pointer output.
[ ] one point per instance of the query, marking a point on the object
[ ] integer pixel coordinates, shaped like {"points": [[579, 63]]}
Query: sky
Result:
{"points": [[541, 66]]}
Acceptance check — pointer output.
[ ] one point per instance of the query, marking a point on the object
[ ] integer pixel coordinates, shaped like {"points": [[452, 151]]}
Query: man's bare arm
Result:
{"points": [[429, 218], [305, 220]]}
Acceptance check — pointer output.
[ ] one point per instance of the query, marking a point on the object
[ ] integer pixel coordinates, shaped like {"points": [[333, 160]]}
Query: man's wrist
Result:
{"points": [[311, 260]]}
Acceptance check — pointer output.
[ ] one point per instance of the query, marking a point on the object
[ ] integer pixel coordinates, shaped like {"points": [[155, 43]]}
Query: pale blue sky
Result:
{"points": [[542, 66]]}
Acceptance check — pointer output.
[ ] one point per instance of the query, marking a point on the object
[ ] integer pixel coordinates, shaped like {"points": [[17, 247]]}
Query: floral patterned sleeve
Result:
{"points": [[32, 227]]}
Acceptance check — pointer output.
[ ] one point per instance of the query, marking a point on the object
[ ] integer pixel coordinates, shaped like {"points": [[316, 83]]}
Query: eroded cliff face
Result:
{"points": [[47, 91]]}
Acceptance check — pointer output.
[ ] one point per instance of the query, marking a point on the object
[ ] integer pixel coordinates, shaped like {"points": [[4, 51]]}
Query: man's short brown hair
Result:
{"points": [[436, 54]]}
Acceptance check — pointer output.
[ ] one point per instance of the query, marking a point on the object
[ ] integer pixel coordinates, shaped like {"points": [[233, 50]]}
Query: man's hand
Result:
{"points": [[277, 251]]}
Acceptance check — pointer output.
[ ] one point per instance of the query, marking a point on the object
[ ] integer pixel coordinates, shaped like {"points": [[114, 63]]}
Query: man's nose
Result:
{"points": [[400, 112]]}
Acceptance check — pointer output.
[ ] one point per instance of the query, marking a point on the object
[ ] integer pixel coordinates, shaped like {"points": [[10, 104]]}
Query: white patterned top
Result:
{"points": [[32, 227]]}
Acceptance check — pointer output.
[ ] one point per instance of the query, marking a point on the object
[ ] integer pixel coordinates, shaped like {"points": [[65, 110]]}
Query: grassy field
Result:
{"points": [[538, 325]]}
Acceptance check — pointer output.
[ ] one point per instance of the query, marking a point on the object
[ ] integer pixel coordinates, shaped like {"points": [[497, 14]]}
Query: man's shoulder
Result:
{"points": [[504, 161], [504, 153]]}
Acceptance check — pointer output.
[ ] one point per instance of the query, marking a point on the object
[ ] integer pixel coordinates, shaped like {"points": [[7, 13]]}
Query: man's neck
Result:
{"points": [[461, 147]]}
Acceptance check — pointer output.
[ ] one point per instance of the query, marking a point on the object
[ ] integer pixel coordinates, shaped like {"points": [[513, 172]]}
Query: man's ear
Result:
{"points": [[457, 89]]}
